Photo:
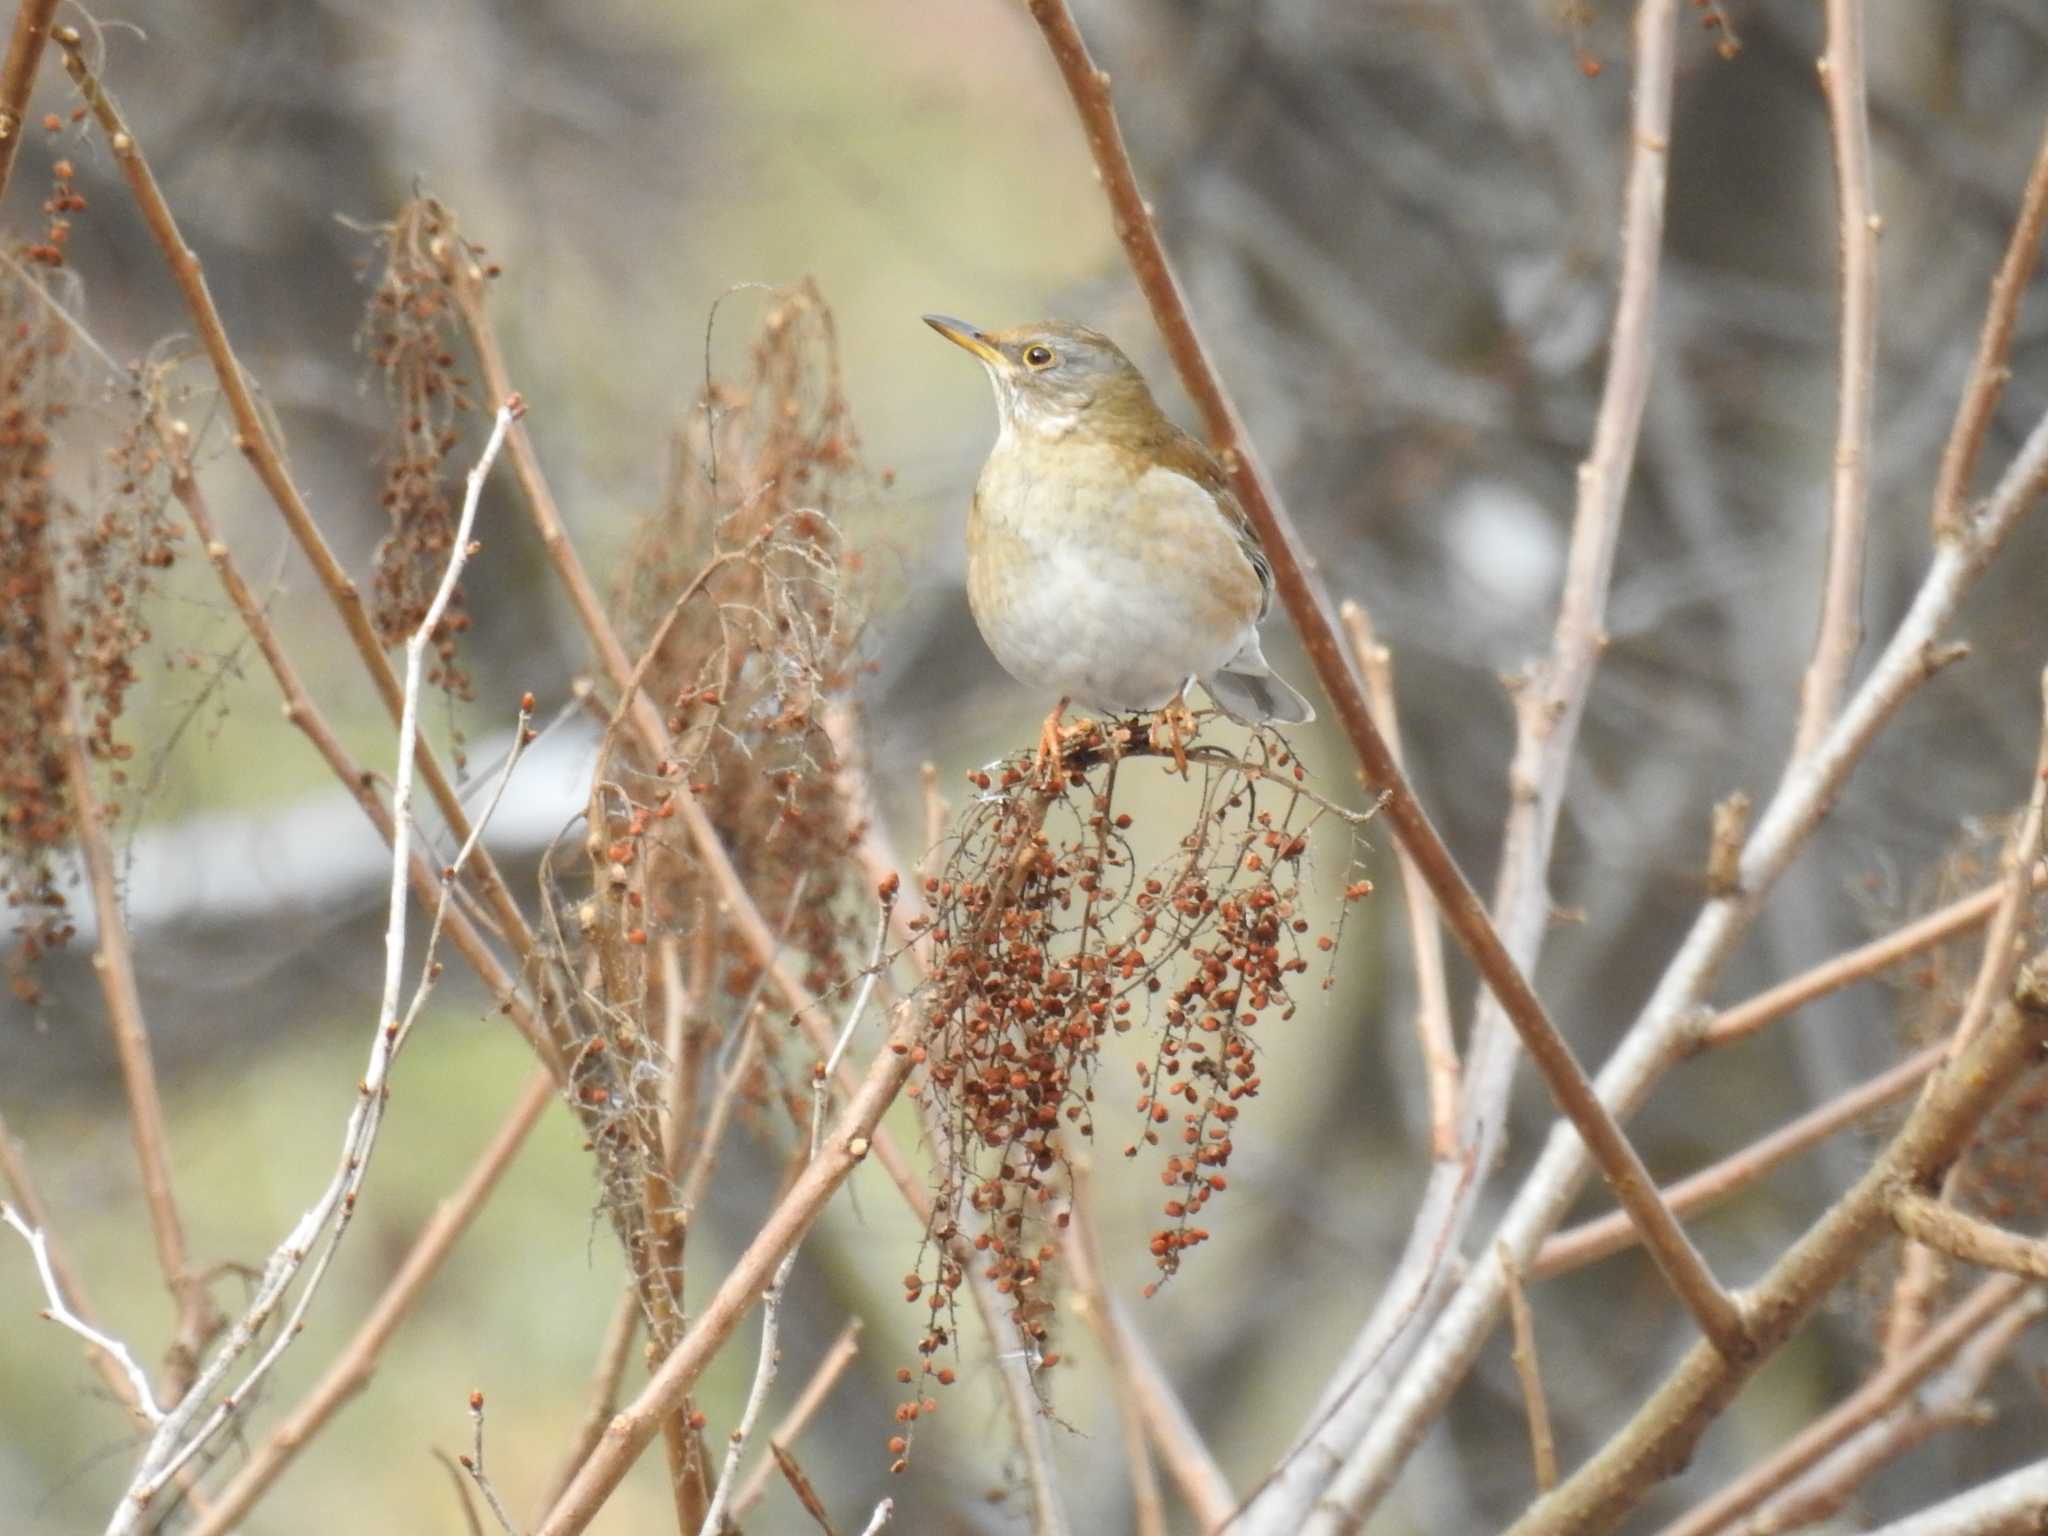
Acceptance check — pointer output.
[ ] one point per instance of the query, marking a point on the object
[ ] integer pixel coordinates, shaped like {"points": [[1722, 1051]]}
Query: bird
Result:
{"points": [[1108, 561]]}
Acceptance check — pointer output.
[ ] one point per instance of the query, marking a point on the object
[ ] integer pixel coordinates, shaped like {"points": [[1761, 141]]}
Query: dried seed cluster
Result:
{"points": [[409, 332], [742, 601], [1048, 940], [73, 579]]}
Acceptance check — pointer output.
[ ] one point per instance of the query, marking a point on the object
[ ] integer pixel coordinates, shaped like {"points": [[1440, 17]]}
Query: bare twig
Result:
{"points": [[473, 1464], [1958, 1234], [1659, 1437], [301, 711], [1949, 1400], [18, 76], [1609, 1234], [1989, 373], [1542, 1443], [113, 963], [356, 1363], [1915, 653], [183, 1433], [253, 440], [1920, 1271], [1869, 1402], [1425, 928], [1674, 1253], [1866, 960], [880, 1518], [1841, 618], [823, 1379], [59, 1311], [634, 1426]]}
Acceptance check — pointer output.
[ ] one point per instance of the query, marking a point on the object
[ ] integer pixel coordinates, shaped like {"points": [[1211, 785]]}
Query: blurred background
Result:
{"points": [[1396, 221]]}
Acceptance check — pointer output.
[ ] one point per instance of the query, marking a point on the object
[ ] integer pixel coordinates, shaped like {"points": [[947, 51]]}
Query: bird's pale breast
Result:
{"points": [[1110, 582]]}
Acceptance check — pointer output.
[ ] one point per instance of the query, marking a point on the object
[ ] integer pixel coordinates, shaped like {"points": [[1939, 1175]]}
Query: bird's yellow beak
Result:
{"points": [[961, 334]]}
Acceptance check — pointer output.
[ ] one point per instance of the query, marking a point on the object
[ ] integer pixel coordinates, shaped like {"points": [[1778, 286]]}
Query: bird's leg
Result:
{"points": [[1174, 717], [1047, 765]]}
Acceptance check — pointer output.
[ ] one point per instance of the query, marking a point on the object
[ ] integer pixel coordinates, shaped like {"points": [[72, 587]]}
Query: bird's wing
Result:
{"points": [[1185, 455]]}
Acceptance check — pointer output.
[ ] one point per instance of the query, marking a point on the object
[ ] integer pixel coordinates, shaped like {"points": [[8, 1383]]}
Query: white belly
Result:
{"points": [[1116, 610]]}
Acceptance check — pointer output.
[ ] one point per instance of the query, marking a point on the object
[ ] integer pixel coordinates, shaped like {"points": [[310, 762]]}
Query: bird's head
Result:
{"points": [[1054, 378]]}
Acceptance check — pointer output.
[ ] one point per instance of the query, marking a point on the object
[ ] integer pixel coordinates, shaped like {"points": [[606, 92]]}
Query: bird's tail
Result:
{"points": [[1254, 698]]}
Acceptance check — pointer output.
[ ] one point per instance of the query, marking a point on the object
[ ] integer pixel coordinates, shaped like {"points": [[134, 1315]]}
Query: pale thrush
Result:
{"points": [[1108, 561]]}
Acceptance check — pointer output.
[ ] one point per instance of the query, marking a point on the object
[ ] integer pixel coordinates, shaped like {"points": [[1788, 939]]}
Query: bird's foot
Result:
{"points": [[1049, 766], [1177, 723]]}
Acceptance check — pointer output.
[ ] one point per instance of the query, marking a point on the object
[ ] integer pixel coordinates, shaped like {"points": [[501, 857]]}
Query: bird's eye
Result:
{"points": [[1038, 356]]}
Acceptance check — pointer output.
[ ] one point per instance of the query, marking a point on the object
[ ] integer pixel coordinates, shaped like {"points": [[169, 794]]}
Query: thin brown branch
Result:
{"points": [[254, 441], [309, 1248], [356, 1363], [1604, 1235], [630, 1431], [18, 77], [302, 712], [1676, 1257], [842, 1353], [1661, 1435], [1866, 960], [1921, 1269], [1950, 1400], [198, 1320], [1083, 1254], [1841, 617], [1425, 928], [1989, 372], [1877, 1396], [1958, 1234], [1535, 1406]]}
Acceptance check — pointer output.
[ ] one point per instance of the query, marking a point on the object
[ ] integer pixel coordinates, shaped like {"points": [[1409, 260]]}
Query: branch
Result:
{"points": [[1841, 617], [356, 1363], [1876, 1397], [634, 1427], [1679, 1261], [1542, 1443], [59, 1311], [183, 1434], [18, 77], [1667, 1022], [1958, 1234], [1871, 959], [1660, 1437], [1425, 927], [830, 1368], [255, 443], [2012, 1505], [113, 963], [1736, 1172], [1988, 372], [302, 712]]}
